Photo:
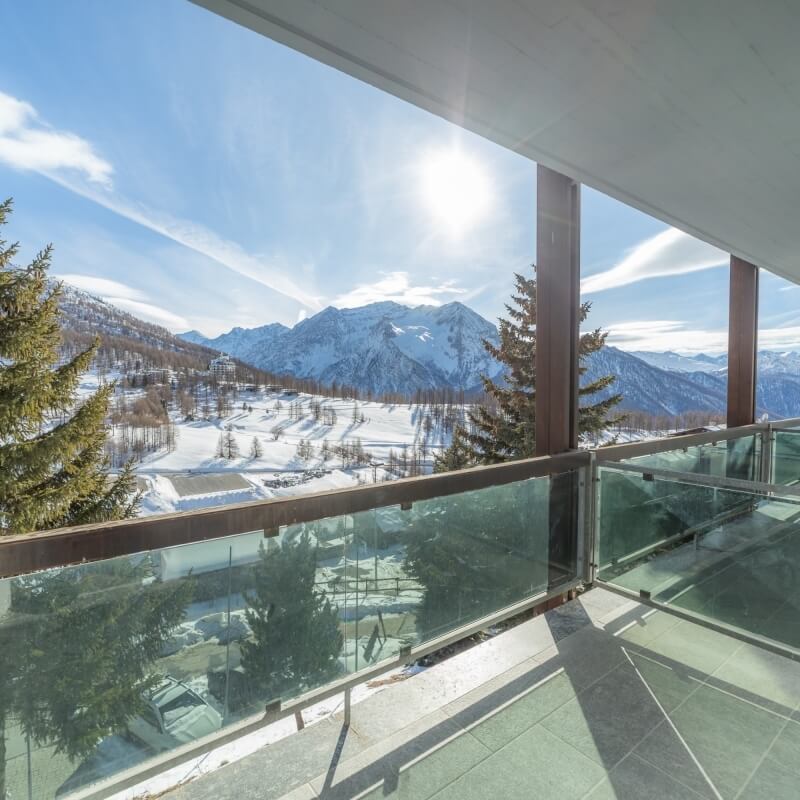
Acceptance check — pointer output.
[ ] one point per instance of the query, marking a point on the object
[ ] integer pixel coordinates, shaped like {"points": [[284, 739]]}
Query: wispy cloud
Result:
{"points": [[670, 252], [680, 337], [27, 143], [150, 312], [198, 238], [100, 287], [396, 286], [660, 335], [127, 298]]}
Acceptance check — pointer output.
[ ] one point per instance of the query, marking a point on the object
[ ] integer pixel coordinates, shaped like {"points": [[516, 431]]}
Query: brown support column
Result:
{"points": [[742, 343], [557, 300]]}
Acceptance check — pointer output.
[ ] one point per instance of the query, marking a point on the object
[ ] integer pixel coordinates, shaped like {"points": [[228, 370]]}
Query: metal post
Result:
{"points": [[595, 521], [347, 707], [228, 640], [557, 304], [30, 770], [742, 343], [767, 451], [355, 542], [589, 527]]}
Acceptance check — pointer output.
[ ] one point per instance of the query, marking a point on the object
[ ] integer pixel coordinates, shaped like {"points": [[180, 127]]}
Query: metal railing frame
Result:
{"points": [[64, 546], [68, 546]]}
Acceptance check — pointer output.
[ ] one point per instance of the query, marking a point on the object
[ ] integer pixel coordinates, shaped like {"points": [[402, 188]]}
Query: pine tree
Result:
{"points": [[476, 552], [80, 645], [296, 639], [507, 430], [53, 469], [457, 456]]}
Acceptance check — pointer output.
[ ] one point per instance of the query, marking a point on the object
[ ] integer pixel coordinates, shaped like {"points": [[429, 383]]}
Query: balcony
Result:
{"points": [[140, 646]]}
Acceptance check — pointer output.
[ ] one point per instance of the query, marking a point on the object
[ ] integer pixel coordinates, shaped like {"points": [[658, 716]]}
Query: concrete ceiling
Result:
{"points": [[686, 109]]}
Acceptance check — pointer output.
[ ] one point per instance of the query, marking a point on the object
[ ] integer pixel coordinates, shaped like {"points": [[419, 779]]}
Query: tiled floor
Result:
{"points": [[599, 699]]}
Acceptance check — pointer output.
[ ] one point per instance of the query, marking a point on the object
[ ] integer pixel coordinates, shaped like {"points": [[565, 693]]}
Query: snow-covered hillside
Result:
{"points": [[194, 475], [645, 387], [676, 362], [388, 348]]}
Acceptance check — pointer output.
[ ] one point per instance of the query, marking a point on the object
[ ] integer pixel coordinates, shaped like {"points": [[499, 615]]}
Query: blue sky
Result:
{"points": [[202, 176]]}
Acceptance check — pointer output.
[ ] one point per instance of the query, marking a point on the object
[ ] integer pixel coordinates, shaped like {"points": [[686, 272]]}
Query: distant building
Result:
{"points": [[223, 368]]}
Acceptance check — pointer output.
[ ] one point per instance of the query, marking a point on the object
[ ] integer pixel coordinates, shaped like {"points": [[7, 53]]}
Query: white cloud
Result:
{"points": [[670, 252], [27, 143], [779, 338], [149, 312], [127, 298], [200, 239], [676, 335], [660, 335], [396, 287], [101, 287]]}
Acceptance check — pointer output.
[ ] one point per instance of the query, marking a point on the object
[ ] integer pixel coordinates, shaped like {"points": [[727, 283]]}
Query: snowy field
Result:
{"points": [[279, 422], [279, 471]]}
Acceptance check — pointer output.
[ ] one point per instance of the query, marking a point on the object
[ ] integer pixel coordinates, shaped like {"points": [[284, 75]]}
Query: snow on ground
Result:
{"points": [[386, 426], [279, 471]]}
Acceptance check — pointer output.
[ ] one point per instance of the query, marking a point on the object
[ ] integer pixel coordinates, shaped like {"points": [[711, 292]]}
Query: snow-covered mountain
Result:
{"points": [[381, 347], [675, 362], [85, 316], [388, 347], [771, 362], [645, 387]]}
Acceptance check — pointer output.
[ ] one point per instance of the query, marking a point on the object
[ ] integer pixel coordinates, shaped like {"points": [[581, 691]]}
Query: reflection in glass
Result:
{"points": [[735, 458], [786, 464], [104, 665]]}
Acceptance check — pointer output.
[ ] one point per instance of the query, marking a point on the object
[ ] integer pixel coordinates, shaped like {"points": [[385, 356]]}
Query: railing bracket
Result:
{"points": [[272, 708]]}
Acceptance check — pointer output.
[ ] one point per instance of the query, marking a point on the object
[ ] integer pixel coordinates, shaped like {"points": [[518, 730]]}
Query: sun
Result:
{"points": [[456, 190]]}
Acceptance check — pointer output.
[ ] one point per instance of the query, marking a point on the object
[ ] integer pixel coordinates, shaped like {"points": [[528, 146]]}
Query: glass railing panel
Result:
{"points": [[402, 576], [107, 664], [786, 457], [734, 458], [640, 513], [726, 555]]}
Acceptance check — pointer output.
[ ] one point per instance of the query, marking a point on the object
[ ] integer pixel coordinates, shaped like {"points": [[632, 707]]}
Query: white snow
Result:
{"points": [[386, 427]]}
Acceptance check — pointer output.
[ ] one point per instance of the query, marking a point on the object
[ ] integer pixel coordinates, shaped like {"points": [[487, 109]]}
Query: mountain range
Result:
{"points": [[380, 348], [390, 348], [387, 347]]}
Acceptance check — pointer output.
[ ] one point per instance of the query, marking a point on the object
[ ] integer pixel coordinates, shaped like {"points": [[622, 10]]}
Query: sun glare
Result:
{"points": [[456, 190]]}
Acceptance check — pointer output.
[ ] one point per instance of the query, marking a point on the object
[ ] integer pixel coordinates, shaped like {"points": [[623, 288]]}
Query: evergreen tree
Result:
{"points": [[476, 552], [296, 639], [506, 431], [53, 470], [80, 644], [457, 456]]}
